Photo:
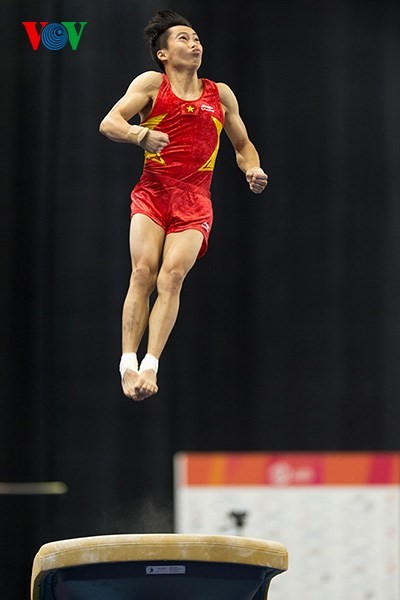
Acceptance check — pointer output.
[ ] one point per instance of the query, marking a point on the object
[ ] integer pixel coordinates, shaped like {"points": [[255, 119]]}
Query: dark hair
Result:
{"points": [[156, 31]]}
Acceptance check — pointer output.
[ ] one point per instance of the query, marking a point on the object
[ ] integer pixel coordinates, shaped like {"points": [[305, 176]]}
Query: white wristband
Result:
{"points": [[149, 362], [128, 361]]}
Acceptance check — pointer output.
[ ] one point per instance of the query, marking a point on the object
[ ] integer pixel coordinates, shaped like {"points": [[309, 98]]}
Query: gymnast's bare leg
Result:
{"points": [[177, 253]]}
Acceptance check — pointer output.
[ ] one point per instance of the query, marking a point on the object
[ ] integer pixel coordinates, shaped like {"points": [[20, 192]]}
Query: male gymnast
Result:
{"points": [[181, 118]]}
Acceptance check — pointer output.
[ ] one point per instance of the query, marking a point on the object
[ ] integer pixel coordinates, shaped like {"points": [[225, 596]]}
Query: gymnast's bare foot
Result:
{"points": [[129, 384], [146, 384]]}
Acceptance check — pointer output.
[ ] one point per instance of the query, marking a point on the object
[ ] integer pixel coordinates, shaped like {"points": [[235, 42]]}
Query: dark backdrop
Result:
{"points": [[288, 336]]}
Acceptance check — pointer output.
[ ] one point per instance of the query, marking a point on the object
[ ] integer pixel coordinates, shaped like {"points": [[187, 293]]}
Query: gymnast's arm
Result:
{"points": [[139, 96], [246, 154]]}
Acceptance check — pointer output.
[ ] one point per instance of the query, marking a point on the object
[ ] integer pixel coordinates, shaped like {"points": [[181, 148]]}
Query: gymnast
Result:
{"points": [[181, 118]]}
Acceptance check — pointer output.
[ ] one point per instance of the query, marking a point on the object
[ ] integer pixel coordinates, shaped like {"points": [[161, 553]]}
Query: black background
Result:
{"points": [[288, 335]]}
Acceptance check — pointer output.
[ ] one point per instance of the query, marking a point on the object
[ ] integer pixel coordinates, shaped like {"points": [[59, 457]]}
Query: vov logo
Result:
{"points": [[54, 36]]}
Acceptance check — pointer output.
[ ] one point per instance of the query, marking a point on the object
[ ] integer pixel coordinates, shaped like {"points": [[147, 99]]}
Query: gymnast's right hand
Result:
{"points": [[154, 142]]}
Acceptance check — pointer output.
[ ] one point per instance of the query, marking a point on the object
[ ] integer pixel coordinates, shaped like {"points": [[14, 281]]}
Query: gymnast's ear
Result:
{"points": [[161, 55]]}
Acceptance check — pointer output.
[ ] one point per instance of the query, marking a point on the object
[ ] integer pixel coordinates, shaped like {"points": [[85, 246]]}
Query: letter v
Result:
{"points": [[74, 37], [33, 33]]}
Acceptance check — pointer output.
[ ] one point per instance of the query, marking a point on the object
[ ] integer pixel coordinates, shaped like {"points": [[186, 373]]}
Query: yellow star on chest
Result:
{"points": [[190, 108]]}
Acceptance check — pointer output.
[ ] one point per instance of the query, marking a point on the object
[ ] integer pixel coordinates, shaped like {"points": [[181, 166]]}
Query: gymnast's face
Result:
{"points": [[183, 48]]}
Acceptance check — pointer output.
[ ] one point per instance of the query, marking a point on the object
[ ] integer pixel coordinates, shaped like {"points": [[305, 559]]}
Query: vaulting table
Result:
{"points": [[157, 567]]}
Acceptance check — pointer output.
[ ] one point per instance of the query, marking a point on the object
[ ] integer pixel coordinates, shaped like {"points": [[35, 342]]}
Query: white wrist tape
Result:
{"points": [[149, 362], [128, 361], [138, 133]]}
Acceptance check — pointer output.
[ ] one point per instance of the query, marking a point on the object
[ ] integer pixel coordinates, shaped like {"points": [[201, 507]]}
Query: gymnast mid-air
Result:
{"points": [[181, 118]]}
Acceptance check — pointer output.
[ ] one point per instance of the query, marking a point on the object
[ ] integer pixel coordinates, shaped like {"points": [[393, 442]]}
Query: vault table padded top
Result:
{"points": [[120, 567]]}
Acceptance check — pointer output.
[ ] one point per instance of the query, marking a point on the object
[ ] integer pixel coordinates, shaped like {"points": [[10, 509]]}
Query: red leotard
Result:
{"points": [[174, 189]]}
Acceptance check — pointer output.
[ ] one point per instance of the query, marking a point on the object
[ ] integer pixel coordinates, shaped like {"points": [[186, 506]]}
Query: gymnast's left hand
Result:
{"points": [[257, 179]]}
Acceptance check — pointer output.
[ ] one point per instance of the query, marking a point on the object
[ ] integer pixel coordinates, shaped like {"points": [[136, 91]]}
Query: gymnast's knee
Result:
{"points": [[143, 277], [170, 281]]}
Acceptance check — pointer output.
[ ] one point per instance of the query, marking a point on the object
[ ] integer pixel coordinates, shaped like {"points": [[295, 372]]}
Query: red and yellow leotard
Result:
{"points": [[174, 189]]}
